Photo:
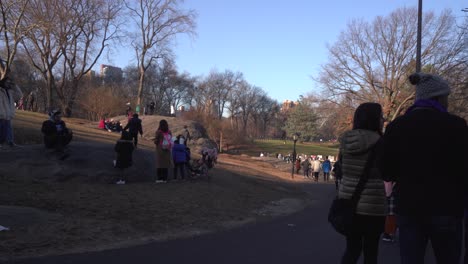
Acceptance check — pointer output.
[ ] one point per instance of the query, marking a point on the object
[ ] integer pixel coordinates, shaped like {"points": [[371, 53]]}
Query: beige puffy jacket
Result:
{"points": [[355, 146]]}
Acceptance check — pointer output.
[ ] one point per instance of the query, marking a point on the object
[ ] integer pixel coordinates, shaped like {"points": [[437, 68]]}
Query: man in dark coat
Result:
{"points": [[134, 127], [429, 198]]}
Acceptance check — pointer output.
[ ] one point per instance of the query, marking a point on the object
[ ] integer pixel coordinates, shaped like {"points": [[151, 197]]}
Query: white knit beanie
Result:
{"points": [[429, 85]]}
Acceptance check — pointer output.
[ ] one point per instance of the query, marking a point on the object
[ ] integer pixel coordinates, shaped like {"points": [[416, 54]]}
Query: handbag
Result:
{"points": [[343, 211]]}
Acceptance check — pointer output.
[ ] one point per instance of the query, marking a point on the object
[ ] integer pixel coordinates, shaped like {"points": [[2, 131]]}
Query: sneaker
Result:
{"points": [[64, 156], [12, 145], [120, 182], [387, 238]]}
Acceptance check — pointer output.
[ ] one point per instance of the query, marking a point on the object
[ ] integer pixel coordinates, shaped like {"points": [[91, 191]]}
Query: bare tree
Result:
{"points": [[12, 30], [220, 86], [248, 96], [158, 22], [264, 112], [68, 39], [371, 61], [94, 24]]}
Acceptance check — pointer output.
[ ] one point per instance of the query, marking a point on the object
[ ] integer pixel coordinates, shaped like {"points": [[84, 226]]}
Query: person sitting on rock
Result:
{"points": [[56, 133]]}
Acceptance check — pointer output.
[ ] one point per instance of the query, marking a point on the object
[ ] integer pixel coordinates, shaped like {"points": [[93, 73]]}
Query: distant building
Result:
{"points": [[90, 76], [111, 74], [288, 105]]}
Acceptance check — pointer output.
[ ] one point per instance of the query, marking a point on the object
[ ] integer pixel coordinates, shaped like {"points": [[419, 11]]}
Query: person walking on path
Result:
{"points": [[163, 142], [306, 167], [134, 127], [356, 147], [316, 166], [390, 220], [9, 93], [429, 199], [124, 149], [326, 167], [337, 172]]}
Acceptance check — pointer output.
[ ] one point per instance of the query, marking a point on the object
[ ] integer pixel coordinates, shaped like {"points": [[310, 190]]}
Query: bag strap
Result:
{"points": [[365, 176]]}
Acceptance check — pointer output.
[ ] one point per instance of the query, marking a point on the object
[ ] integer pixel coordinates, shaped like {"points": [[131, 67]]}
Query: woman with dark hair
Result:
{"points": [[163, 142], [356, 149]]}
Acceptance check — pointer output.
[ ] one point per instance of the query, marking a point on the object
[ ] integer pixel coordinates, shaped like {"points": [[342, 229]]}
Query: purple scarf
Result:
{"points": [[426, 103]]}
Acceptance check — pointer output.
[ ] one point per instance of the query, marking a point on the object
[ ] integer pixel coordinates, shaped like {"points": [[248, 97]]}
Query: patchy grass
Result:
{"points": [[286, 147]]}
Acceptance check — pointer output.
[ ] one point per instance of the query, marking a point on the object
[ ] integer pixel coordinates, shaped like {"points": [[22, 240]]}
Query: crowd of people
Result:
{"points": [[430, 203]]}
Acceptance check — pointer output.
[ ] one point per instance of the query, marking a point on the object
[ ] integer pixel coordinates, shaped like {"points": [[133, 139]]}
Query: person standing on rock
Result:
{"points": [[163, 142], [186, 135], [134, 127]]}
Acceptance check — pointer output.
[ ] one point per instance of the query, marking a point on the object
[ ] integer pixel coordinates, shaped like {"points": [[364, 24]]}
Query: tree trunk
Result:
{"points": [[140, 90], [50, 88]]}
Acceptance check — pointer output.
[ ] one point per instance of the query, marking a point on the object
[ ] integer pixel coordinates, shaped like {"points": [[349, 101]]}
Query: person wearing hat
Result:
{"points": [[56, 133], [429, 198]]}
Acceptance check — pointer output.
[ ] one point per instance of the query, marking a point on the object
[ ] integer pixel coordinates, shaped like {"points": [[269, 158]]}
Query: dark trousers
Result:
{"points": [[162, 174], [365, 238], [179, 167], [316, 175], [466, 236], [135, 138], [326, 175], [306, 173], [3, 130], [57, 141], [337, 183], [444, 232]]}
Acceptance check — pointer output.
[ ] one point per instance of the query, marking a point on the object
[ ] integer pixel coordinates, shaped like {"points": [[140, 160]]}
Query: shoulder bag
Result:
{"points": [[342, 211]]}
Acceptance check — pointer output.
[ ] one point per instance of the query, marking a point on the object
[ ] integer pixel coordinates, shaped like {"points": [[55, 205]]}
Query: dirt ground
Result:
{"points": [[57, 207]]}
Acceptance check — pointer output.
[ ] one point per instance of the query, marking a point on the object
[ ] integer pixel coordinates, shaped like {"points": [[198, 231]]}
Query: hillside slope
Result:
{"points": [[57, 206]]}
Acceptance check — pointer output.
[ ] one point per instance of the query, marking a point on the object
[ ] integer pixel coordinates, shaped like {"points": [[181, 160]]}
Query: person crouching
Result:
{"points": [[56, 133]]}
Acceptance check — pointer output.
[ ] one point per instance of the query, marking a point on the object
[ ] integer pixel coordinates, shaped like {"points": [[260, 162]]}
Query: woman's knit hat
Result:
{"points": [[429, 85]]}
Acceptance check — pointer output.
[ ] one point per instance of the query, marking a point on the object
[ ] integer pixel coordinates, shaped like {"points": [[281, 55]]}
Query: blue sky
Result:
{"points": [[277, 45]]}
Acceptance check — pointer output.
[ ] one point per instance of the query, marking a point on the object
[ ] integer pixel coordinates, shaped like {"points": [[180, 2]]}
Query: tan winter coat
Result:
{"points": [[7, 101], [354, 148], [163, 157]]}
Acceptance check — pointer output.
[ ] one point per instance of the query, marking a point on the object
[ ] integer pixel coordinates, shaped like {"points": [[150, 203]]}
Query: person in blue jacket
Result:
{"points": [[179, 154], [326, 168]]}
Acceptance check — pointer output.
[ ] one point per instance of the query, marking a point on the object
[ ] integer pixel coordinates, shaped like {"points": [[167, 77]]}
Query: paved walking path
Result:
{"points": [[303, 237]]}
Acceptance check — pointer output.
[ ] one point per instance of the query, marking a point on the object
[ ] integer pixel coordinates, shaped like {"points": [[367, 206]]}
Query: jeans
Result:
{"points": [[9, 135], [180, 166], [326, 175], [444, 232], [365, 238], [135, 139]]}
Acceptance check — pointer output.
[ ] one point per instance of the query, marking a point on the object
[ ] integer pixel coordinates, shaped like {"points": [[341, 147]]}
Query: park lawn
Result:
{"points": [[273, 146]]}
